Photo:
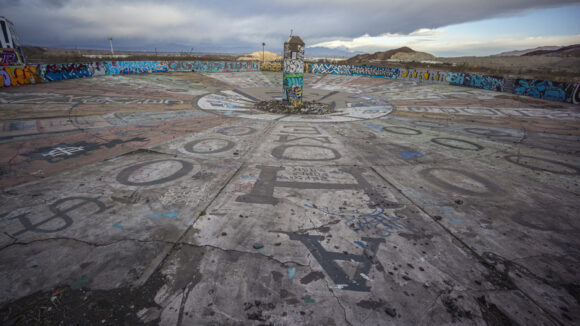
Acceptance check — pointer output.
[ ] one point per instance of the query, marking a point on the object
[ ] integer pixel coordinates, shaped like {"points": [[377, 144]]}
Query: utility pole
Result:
{"points": [[263, 45], [110, 38]]}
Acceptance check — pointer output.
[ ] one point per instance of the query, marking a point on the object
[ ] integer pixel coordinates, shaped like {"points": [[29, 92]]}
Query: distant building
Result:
{"points": [[10, 49]]}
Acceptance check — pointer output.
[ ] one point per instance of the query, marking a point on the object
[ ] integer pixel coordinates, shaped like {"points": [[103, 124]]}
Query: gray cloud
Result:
{"points": [[238, 25]]}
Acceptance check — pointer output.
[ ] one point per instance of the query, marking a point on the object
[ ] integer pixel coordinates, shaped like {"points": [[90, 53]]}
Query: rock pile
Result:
{"points": [[307, 107]]}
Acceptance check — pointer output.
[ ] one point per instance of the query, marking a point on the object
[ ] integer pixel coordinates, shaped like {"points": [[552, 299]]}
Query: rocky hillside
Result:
{"points": [[257, 56], [567, 51], [402, 54]]}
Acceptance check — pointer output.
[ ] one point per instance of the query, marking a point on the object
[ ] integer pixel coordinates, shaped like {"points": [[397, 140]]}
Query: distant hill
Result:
{"points": [[566, 51], [403, 54], [522, 52], [257, 56]]}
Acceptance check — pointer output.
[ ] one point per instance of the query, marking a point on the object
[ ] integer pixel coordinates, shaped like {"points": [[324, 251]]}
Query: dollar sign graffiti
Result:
{"points": [[58, 214]]}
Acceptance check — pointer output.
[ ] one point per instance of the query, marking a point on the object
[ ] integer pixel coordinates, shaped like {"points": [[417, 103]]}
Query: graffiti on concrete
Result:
{"points": [[63, 151], [363, 71], [293, 88], [323, 153], [480, 186], [328, 259], [548, 90], [476, 81], [432, 76], [504, 112], [59, 214], [212, 66], [378, 222], [18, 75], [51, 72], [9, 57], [293, 66], [271, 66], [134, 67], [263, 191], [542, 164], [209, 146], [322, 68], [153, 172]]}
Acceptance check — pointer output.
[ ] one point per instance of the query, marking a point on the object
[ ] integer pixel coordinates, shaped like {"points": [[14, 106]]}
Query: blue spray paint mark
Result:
{"points": [[168, 215], [450, 213], [361, 244], [171, 214], [291, 272], [373, 126], [411, 154], [118, 226], [249, 177]]}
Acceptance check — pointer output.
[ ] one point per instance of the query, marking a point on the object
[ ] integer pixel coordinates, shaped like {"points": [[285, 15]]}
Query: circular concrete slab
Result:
{"points": [[166, 199], [241, 103]]}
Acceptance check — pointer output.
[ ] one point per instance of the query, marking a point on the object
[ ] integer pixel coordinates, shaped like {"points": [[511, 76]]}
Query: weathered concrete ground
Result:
{"points": [[166, 199]]}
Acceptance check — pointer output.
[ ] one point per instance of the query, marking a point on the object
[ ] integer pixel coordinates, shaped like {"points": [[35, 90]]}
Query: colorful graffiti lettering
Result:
{"points": [[70, 71], [545, 89], [293, 88], [271, 66], [134, 67], [11, 76], [15, 76], [476, 81], [213, 66], [363, 71], [10, 57], [433, 76]]}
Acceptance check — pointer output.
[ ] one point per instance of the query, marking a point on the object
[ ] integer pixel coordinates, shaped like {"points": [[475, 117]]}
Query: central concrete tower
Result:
{"points": [[293, 71]]}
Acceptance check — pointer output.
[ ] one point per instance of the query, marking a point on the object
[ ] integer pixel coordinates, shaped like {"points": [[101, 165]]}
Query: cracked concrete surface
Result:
{"points": [[166, 199]]}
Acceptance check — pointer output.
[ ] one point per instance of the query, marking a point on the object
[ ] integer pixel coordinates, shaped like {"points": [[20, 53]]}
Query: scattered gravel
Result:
{"points": [[280, 107]]}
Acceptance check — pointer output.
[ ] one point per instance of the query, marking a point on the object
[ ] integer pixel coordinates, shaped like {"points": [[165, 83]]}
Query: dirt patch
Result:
{"points": [[280, 107], [65, 305], [492, 315], [457, 313]]}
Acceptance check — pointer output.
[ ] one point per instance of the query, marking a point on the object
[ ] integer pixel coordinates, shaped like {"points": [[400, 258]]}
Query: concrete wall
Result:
{"points": [[32, 74], [10, 57], [544, 89], [364, 71]]}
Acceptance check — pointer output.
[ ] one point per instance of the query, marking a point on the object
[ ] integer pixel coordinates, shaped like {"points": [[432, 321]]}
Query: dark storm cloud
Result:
{"points": [[239, 24]]}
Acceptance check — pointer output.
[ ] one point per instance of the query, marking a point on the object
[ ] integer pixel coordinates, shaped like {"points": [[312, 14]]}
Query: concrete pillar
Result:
{"points": [[293, 71]]}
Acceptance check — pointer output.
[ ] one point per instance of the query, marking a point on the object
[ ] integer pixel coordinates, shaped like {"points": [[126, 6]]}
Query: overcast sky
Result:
{"points": [[441, 27]]}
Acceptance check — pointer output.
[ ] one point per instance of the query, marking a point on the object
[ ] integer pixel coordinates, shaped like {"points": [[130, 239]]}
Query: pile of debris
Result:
{"points": [[307, 107]]}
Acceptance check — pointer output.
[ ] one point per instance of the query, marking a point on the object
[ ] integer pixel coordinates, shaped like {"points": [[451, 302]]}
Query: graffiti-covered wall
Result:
{"points": [[364, 71], [433, 76], [15, 76], [71, 71], [10, 57], [271, 66], [134, 67], [31, 74], [213, 66], [544, 89]]}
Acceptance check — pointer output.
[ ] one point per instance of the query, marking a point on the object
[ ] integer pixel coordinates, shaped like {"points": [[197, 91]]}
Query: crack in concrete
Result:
{"points": [[431, 306], [92, 244], [338, 301]]}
